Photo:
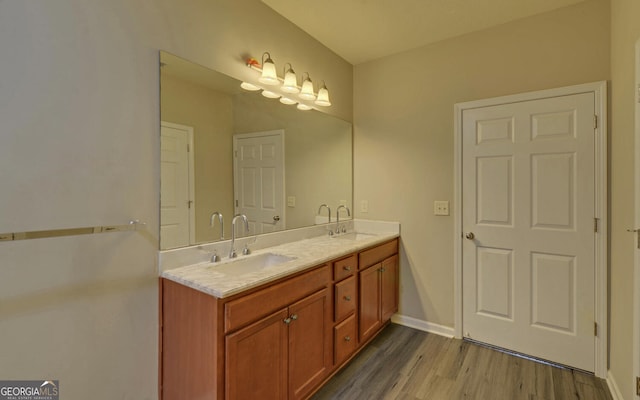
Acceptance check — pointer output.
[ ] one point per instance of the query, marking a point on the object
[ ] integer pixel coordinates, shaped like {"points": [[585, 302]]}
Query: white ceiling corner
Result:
{"points": [[364, 30]]}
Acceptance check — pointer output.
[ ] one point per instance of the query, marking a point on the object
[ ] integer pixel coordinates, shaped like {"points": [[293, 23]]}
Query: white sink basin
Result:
{"points": [[354, 236], [249, 264]]}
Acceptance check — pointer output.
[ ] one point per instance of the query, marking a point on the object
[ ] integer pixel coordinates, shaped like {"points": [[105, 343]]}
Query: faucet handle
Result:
{"points": [[215, 257], [246, 250]]}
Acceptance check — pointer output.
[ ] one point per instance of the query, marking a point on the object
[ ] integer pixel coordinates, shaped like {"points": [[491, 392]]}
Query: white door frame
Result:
{"points": [[600, 92], [192, 177], [636, 273]]}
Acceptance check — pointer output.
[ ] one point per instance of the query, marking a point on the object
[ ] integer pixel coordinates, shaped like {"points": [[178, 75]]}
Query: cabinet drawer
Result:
{"points": [[252, 307], [345, 267], [345, 298], [344, 338], [377, 254]]}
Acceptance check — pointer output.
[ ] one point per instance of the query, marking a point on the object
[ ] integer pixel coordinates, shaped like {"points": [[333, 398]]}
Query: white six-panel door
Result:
{"points": [[528, 208], [259, 179], [177, 208]]}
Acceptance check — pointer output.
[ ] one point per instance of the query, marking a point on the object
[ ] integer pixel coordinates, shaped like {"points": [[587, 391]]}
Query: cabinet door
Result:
{"points": [[369, 301], [310, 343], [389, 288], [256, 360]]}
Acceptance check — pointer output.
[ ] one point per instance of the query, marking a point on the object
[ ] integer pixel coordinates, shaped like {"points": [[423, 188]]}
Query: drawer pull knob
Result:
{"points": [[287, 321], [294, 317], [347, 338], [381, 270], [347, 298], [347, 268]]}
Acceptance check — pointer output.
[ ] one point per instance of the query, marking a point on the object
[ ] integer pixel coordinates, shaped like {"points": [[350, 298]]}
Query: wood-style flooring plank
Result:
{"points": [[407, 364]]}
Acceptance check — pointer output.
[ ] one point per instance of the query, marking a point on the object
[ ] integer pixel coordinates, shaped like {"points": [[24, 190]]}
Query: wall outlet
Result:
{"points": [[291, 201], [441, 207], [364, 206]]}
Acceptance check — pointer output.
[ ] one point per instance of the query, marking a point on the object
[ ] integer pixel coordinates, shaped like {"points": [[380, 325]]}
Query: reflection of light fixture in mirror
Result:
{"points": [[306, 93], [270, 95], [287, 101], [323, 96], [249, 86], [303, 107], [290, 84], [269, 76]]}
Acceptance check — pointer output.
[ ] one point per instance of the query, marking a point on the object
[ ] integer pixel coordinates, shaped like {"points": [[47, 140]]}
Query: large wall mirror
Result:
{"points": [[230, 151]]}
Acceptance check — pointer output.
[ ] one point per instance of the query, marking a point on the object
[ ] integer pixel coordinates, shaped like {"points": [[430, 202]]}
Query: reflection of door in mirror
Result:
{"points": [[259, 179], [177, 211]]}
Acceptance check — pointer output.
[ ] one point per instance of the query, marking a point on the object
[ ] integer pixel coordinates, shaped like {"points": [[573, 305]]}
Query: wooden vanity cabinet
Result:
{"points": [[270, 343], [283, 356], [378, 287], [281, 341]]}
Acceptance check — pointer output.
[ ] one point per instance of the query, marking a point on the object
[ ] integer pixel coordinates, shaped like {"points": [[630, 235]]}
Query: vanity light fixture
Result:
{"points": [[323, 96], [269, 76], [290, 84], [287, 101], [306, 93], [269, 94], [249, 86]]}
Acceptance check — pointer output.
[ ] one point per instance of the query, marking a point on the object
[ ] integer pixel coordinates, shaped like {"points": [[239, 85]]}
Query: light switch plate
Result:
{"points": [[364, 206], [291, 201], [441, 207]]}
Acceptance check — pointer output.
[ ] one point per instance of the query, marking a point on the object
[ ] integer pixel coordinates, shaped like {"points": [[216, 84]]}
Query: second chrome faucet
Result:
{"points": [[232, 251]]}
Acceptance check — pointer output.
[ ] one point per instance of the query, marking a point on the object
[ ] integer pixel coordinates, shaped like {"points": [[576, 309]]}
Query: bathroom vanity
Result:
{"points": [[282, 331]]}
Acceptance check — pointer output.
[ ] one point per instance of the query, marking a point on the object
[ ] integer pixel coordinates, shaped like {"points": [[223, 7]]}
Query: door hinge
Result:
{"points": [[595, 329], [595, 122], [188, 148], [637, 385], [595, 224]]}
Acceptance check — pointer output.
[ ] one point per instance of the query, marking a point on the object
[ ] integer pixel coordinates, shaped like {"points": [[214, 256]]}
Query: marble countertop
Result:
{"points": [[304, 254]]}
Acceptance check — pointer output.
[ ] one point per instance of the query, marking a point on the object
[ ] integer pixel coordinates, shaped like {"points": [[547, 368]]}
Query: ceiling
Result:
{"points": [[364, 30]]}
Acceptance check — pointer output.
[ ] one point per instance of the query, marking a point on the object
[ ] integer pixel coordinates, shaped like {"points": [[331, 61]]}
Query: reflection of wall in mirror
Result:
{"points": [[210, 113], [317, 153]]}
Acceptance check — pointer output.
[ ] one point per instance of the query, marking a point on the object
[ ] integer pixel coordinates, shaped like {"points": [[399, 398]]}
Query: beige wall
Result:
{"points": [[403, 127], [210, 114], [80, 144], [625, 31]]}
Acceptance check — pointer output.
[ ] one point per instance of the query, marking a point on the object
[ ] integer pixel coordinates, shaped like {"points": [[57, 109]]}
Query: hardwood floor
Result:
{"points": [[404, 363]]}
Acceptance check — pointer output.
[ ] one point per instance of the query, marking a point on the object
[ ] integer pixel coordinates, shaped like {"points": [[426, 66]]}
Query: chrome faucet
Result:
{"points": [[232, 251], [328, 209], [212, 220], [338, 217]]}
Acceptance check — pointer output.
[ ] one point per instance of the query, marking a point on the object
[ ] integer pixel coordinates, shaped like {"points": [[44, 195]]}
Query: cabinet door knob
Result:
{"points": [[347, 338], [470, 236], [346, 268], [381, 269], [294, 317], [287, 321], [347, 298]]}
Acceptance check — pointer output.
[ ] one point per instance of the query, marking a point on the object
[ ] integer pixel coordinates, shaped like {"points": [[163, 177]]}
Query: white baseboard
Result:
{"points": [[426, 326], [613, 387]]}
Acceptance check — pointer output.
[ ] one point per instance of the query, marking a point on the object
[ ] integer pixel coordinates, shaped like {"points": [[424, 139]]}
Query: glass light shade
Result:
{"points": [[323, 97], [270, 95], [287, 101], [249, 86], [269, 76], [290, 84], [306, 93], [303, 107]]}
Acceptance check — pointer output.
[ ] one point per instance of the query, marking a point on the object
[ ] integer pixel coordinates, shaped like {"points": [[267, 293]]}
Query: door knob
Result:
{"points": [[276, 218], [470, 236]]}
